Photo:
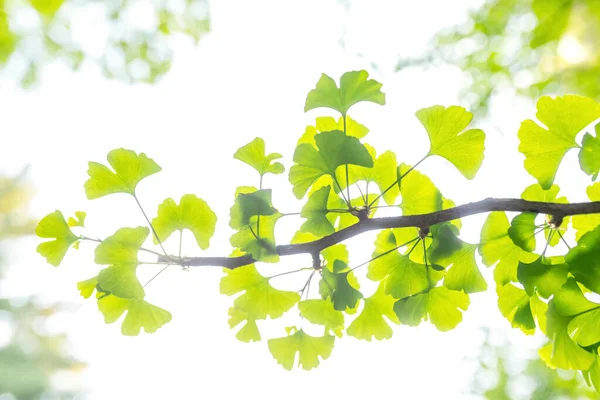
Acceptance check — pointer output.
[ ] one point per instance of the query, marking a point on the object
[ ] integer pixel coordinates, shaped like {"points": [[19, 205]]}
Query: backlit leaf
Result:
{"points": [[584, 260], [140, 314], [445, 128], [79, 219], [309, 349], [440, 305], [120, 252], [315, 211], [339, 284], [260, 299], [544, 149], [192, 213], [522, 231], [253, 154], [321, 312], [589, 155], [354, 88], [54, 226], [371, 322], [419, 194], [540, 275], [334, 149], [514, 304], [129, 169]]}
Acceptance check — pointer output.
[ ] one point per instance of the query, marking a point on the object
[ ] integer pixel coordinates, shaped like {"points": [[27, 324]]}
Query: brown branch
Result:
{"points": [[423, 221]]}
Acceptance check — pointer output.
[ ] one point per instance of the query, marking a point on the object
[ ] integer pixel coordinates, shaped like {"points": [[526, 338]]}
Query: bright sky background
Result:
{"points": [[249, 77]]}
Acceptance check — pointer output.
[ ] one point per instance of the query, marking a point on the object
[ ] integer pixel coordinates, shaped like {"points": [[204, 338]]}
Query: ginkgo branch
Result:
{"points": [[420, 221]]}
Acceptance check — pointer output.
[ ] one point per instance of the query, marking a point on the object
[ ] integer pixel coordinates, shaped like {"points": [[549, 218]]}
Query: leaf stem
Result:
{"points": [[563, 239], [149, 223], [180, 240], [548, 242], [385, 253], [157, 274], [399, 179], [347, 179], [81, 237], [288, 272]]}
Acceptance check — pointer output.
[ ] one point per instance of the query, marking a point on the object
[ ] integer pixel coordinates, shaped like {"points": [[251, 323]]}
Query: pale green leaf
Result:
{"points": [[54, 226], [253, 154], [354, 88], [445, 127], [192, 213], [544, 149], [309, 349], [371, 323], [129, 169]]}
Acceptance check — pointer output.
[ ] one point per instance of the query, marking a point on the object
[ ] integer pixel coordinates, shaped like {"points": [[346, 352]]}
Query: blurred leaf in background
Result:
{"points": [[31, 357], [529, 46], [128, 39], [510, 372]]}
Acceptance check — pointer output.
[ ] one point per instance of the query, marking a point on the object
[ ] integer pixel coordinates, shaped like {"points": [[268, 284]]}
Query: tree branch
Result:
{"points": [[420, 221]]}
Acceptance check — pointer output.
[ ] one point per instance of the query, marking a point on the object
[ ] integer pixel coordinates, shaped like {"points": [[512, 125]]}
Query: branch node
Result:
{"points": [[555, 221], [423, 232], [316, 257]]}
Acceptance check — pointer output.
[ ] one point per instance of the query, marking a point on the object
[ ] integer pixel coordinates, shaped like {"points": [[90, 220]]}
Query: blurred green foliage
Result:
{"points": [[30, 355], [530, 46], [509, 372], [128, 39]]}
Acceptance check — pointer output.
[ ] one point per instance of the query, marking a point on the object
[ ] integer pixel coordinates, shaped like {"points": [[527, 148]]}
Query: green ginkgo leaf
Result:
{"points": [[419, 194], [79, 219], [403, 277], [54, 226], [129, 169], [444, 126], [371, 322], [354, 88], [309, 349], [544, 149], [48, 8], [569, 301], [248, 205], [458, 258], [192, 213], [522, 231], [562, 351], [586, 223], [542, 276], [259, 300], [495, 246], [326, 124], [514, 304], [589, 154], [86, 288], [383, 174], [140, 314], [334, 149], [120, 252], [253, 154], [440, 305], [321, 312], [339, 284], [315, 211], [249, 332], [254, 217], [584, 260]]}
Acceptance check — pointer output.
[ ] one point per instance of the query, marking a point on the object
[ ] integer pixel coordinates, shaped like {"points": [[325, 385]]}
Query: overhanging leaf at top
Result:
{"points": [[129, 169], [544, 149], [192, 213], [334, 149], [444, 126], [354, 88], [253, 154], [54, 226]]}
